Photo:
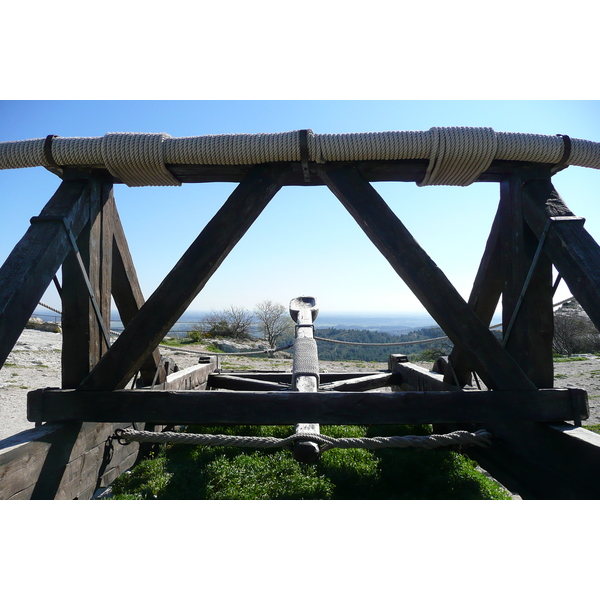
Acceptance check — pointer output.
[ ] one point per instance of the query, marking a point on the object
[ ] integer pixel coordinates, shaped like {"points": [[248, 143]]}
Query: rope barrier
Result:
{"points": [[480, 438], [272, 350], [430, 340], [457, 155]]}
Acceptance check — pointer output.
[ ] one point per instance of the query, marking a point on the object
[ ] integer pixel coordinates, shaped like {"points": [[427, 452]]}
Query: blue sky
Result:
{"points": [[309, 225]]}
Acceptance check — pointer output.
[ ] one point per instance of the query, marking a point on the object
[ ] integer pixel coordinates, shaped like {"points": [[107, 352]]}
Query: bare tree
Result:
{"points": [[233, 322], [574, 333], [273, 320]]}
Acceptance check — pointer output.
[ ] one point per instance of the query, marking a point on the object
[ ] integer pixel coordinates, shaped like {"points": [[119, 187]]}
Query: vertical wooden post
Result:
{"points": [[530, 339], [83, 342]]}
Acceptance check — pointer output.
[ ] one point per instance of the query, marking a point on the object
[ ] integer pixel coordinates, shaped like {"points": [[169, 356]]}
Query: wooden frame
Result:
{"points": [[521, 411]]}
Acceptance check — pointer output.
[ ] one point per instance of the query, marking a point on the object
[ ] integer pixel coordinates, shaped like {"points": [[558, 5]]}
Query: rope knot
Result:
{"points": [[137, 159], [459, 155]]}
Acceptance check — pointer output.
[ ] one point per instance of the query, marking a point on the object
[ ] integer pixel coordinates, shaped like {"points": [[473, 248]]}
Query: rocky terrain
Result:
{"points": [[35, 363]]}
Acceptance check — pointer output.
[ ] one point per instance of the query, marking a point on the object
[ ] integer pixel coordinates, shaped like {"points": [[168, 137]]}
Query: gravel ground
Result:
{"points": [[34, 363]]}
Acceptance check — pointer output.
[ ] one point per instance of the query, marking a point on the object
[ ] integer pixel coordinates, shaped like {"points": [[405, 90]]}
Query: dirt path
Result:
{"points": [[35, 361]]}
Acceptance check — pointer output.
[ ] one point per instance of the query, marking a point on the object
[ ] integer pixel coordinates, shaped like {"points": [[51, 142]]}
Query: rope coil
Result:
{"points": [[428, 442], [457, 155]]}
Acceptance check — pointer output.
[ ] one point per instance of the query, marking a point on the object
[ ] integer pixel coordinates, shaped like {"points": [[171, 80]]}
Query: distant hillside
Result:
{"points": [[331, 351]]}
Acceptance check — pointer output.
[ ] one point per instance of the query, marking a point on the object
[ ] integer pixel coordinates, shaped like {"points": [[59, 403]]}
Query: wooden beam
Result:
{"points": [[286, 377], [373, 170], [484, 298], [539, 461], [527, 320], [291, 407], [416, 378], [497, 368], [231, 382], [574, 252], [36, 258], [63, 461], [362, 384], [156, 317], [82, 339], [127, 292]]}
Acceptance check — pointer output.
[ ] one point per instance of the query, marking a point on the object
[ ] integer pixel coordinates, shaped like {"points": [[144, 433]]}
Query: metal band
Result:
{"points": [[562, 163], [303, 139], [48, 151]]}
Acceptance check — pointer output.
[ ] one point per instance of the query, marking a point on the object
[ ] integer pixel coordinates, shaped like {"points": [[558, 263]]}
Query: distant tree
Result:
{"points": [[574, 333], [273, 321], [233, 322]]}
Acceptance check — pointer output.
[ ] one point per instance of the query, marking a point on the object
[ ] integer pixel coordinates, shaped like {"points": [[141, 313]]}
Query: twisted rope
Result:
{"points": [[429, 442], [430, 340], [457, 155]]}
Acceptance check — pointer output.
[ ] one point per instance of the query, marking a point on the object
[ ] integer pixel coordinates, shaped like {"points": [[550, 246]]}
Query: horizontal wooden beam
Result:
{"points": [[416, 378], [231, 382], [195, 377], [373, 170], [362, 384], [286, 377], [272, 408]]}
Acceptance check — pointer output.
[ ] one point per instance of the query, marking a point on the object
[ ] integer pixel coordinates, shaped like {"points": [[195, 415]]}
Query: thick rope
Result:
{"points": [[457, 155], [429, 442]]}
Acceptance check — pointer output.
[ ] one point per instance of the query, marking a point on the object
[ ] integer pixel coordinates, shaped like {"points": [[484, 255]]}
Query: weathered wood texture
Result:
{"points": [[530, 337], [192, 378], [82, 339], [126, 290], [416, 378], [425, 279], [234, 383], [572, 250], [362, 384], [373, 170], [158, 314], [62, 461], [272, 408], [543, 461], [32, 264]]}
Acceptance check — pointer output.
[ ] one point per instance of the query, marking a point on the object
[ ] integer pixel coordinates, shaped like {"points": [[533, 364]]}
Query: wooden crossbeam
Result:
{"points": [[361, 384], [30, 267], [286, 377], [231, 382], [429, 284], [272, 408], [159, 313], [574, 252]]}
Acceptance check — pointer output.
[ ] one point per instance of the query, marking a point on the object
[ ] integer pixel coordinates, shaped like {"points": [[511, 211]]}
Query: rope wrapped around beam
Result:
{"points": [[429, 442], [457, 155]]}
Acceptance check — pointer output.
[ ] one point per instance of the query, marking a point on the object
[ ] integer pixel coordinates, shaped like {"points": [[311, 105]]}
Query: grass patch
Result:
{"points": [[570, 359], [200, 472], [594, 428]]}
